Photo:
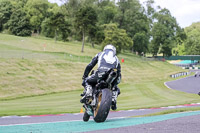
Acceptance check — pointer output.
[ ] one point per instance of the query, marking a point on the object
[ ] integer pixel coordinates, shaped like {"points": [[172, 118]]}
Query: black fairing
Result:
{"points": [[107, 82]]}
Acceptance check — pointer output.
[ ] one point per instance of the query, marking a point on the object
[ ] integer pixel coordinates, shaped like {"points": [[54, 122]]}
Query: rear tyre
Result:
{"points": [[86, 117], [103, 107]]}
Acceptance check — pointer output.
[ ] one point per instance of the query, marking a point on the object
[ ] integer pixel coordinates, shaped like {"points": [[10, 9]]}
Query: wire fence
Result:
{"points": [[20, 54]]}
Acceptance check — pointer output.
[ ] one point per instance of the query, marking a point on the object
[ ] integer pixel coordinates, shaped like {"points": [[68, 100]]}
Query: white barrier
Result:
{"points": [[179, 74]]}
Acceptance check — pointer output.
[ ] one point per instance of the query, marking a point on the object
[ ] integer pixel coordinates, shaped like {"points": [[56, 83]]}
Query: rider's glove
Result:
{"points": [[83, 83]]}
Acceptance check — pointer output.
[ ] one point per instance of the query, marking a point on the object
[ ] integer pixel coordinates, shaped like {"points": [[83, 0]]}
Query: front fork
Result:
{"points": [[88, 109], [90, 106], [114, 96]]}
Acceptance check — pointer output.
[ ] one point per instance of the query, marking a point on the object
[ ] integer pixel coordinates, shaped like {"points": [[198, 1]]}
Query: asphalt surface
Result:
{"points": [[189, 84], [13, 120], [18, 120], [117, 122], [187, 124]]}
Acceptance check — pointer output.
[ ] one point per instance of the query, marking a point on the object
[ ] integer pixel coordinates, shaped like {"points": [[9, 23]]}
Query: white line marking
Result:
{"points": [[131, 110], [6, 117], [38, 123], [117, 118], [142, 109], [77, 113], [171, 107], [163, 107], [55, 122], [180, 106], [25, 116], [165, 83]]}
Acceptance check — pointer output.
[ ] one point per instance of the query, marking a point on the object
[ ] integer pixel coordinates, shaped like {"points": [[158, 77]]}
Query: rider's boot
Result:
{"points": [[118, 90], [115, 94], [86, 93]]}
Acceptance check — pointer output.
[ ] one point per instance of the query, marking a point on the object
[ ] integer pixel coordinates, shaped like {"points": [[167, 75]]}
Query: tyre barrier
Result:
{"points": [[179, 74], [196, 68]]}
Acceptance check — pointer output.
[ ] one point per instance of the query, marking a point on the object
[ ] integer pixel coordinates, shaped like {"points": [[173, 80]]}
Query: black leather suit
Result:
{"points": [[106, 60]]}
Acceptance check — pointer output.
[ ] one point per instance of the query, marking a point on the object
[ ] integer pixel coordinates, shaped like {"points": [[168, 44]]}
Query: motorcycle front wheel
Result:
{"points": [[86, 117], [103, 105]]}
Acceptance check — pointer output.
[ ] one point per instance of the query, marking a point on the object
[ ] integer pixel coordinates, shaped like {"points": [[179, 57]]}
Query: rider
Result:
{"points": [[106, 60]]}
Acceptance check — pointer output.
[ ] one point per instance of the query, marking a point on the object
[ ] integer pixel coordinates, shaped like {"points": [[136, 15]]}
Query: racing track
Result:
{"points": [[117, 122], [189, 84]]}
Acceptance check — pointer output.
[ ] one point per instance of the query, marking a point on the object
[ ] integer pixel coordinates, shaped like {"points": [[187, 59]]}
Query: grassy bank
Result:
{"points": [[34, 81]]}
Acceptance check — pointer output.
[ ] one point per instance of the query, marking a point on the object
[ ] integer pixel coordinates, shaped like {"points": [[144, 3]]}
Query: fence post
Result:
{"points": [[22, 54]]}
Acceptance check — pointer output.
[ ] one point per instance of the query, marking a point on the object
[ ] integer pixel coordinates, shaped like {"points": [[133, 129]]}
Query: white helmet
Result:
{"points": [[111, 47]]}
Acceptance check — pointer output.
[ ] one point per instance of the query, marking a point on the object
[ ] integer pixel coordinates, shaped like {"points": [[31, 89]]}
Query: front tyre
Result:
{"points": [[86, 117], [103, 105]]}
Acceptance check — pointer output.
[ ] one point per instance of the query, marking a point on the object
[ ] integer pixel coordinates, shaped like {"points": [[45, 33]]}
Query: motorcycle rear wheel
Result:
{"points": [[103, 105]]}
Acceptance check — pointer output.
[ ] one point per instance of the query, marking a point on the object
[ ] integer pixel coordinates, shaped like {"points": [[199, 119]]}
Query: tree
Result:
{"points": [[59, 24], [19, 3], [150, 11], [123, 7], [132, 18], [180, 46], [129, 16], [140, 42], [85, 20], [116, 37], [37, 11], [164, 33], [70, 8], [5, 12], [47, 30], [19, 24], [106, 11], [56, 25], [92, 35], [192, 43], [96, 35], [179, 50]]}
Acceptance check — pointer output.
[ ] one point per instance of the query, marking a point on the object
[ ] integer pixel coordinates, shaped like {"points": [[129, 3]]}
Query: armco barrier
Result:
{"points": [[179, 74]]}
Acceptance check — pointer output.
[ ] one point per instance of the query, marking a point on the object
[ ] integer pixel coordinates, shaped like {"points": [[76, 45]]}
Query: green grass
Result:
{"points": [[33, 81], [35, 44], [152, 94], [44, 104]]}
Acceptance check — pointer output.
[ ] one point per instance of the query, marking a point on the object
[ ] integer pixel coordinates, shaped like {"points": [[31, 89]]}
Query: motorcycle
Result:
{"points": [[99, 104]]}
